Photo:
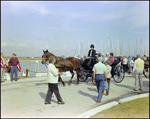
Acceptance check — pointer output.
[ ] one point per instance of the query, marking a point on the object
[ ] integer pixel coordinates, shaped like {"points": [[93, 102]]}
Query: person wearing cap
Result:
{"points": [[13, 62], [91, 54], [3, 65]]}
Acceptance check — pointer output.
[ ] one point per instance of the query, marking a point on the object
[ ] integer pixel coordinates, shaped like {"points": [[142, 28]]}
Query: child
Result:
{"points": [[108, 74]]}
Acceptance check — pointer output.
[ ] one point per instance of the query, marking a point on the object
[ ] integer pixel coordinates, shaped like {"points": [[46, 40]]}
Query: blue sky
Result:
{"points": [[29, 27]]}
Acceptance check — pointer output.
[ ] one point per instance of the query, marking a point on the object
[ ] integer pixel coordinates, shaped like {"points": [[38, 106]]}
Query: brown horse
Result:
{"points": [[68, 64]]}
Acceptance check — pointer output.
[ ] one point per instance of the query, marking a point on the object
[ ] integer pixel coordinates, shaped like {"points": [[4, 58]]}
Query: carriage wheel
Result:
{"points": [[118, 74], [83, 78]]}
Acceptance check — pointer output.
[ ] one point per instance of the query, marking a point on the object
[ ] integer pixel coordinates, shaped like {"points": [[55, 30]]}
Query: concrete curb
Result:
{"points": [[96, 110], [133, 98]]}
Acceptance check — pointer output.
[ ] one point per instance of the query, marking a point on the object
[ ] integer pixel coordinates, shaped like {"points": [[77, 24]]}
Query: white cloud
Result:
{"points": [[17, 7]]}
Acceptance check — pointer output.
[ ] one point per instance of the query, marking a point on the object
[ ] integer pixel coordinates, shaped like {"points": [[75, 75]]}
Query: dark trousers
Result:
{"points": [[53, 88], [91, 60], [107, 92], [112, 69], [125, 67]]}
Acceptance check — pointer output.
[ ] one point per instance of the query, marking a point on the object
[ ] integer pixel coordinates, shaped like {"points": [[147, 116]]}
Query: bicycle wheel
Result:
{"points": [[118, 74]]}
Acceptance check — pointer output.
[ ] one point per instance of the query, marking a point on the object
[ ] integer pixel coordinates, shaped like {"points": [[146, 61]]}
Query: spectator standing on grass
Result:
{"points": [[99, 75], [138, 70], [3, 65], [52, 78], [125, 63], [108, 74], [128, 63], [13, 62]]}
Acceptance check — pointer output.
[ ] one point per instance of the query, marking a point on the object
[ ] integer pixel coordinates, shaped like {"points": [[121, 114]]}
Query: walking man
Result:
{"points": [[13, 62], [99, 75], [138, 70]]}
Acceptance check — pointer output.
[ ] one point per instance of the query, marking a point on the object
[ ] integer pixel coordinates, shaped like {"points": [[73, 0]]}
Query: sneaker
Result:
{"points": [[135, 90], [98, 101], [61, 102], [140, 89]]}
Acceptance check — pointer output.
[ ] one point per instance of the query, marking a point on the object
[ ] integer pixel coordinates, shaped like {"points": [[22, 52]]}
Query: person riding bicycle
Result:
{"points": [[112, 59], [91, 55]]}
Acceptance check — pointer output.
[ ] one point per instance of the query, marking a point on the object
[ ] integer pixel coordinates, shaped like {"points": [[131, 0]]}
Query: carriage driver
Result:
{"points": [[91, 54]]}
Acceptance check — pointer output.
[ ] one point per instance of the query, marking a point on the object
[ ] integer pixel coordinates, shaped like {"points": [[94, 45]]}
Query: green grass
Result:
{"points": [[138, 108]]}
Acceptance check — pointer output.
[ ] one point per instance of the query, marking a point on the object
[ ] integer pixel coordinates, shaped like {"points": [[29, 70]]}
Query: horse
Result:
{"points": [[68, 64]]}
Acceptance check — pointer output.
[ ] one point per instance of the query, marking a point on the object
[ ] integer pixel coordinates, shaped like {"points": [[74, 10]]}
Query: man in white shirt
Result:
{"points": [[99, 75], [106, 58], [138, 70]]}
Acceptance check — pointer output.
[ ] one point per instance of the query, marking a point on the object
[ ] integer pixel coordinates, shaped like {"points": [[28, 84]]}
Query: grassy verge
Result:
{"points": [[138, 108]]}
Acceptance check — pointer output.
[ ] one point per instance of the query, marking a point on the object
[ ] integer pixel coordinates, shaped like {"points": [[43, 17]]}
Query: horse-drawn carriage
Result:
{"points": [[87, 72], [83, 70]]}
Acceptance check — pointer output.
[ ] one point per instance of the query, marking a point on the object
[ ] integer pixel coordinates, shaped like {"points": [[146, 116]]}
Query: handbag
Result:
{"points": [[106, 85]]}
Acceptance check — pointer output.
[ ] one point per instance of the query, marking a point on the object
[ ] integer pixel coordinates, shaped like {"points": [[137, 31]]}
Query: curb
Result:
{"points": [[98, 109], [133, 98]]}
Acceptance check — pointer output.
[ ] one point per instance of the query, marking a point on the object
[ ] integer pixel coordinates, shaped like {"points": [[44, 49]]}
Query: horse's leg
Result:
{"points": [[77, 72], [72, 73], [60, 79]]}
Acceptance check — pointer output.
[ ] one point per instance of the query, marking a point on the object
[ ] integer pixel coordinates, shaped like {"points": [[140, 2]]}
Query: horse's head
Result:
{"points": [[45, 56]]}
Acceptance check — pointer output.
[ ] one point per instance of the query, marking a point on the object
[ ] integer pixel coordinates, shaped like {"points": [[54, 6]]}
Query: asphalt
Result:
{"points": [[26, 97]]}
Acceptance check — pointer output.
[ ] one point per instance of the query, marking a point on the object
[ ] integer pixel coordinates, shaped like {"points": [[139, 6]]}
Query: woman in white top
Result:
{"points": [[132, 63], [108, 74], [52, 78], [125, 61]]}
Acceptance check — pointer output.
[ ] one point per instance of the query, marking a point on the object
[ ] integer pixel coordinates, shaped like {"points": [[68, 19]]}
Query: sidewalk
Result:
{"points": [[25, 98]]}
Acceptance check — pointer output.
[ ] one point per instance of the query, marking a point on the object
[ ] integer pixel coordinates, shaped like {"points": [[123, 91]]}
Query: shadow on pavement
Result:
{"points": [[37, 84], [92, 89], [43, 95], [125, 86], [146, 83], [88, 95]]}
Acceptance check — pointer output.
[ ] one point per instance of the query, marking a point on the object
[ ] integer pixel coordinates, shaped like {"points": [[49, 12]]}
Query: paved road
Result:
{"points": [[25, 98]]}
